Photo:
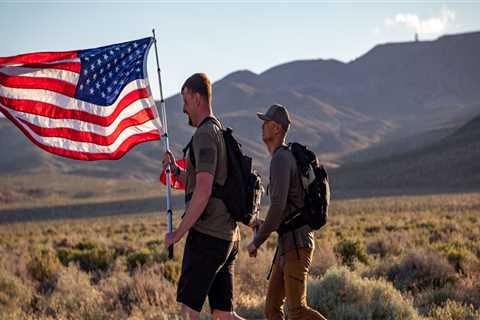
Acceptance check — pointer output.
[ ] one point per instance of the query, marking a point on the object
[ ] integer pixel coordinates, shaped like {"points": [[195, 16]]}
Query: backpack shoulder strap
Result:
{"points": [[293, 216], [189, 145]]}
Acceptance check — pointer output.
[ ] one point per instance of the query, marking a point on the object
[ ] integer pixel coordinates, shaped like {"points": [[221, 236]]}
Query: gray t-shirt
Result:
{"points": [[286, 195], [210, 156]]}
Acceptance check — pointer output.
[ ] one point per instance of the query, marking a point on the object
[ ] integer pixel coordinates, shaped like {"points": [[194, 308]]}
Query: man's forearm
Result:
{"points": [[271, 224], [195, 209]]}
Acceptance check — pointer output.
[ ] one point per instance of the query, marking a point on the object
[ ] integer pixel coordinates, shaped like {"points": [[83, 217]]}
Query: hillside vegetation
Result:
{"points": [[450, 164], [378, 258]]}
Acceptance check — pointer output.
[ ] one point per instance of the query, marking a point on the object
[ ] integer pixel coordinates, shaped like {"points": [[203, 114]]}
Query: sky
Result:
{"points": [[222, 37]]}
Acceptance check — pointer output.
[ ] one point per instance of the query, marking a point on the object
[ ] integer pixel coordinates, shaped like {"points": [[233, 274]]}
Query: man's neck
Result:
{"points": [[274, 145], [203, 116]]}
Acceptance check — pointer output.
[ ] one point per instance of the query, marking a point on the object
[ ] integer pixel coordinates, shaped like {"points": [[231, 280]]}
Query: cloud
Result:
{"points": [[431, 25]]}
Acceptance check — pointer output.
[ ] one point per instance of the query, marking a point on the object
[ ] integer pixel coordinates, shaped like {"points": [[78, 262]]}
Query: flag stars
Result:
{"points": [[105, 73]]}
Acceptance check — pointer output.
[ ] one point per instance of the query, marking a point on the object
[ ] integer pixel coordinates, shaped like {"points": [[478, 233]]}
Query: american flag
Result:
{"points": [[87, 104]]}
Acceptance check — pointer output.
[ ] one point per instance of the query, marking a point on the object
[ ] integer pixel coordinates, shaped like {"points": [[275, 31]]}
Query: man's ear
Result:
{"points": [[196, 98]]}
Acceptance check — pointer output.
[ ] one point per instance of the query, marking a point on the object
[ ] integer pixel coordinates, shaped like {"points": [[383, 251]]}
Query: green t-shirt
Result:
{"points": [[210, 156]]}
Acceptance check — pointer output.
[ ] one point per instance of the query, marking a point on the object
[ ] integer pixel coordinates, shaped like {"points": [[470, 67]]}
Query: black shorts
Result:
{"points": [[207, 269]]}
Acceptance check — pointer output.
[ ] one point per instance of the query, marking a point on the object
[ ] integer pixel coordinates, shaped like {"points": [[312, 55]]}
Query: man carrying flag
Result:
{"points": [[213, 236], [88, 104]]}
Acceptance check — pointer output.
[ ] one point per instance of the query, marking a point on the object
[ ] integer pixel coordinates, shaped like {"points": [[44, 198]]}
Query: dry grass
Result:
{"points": [[420, 254]]}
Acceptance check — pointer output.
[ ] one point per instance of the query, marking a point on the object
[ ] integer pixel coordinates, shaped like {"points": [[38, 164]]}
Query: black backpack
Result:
{"points": [[314, 180], [243, 188]]}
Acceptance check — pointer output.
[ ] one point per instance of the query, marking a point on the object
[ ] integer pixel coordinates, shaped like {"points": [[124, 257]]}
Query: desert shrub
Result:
{"points": [[139, 258], [351, 251], [251, 282], [452, 310], [323, 259], [383, 247], [419, 270], [468, 289], [250, 307], [343, 294], [14, 296], [145, 257], [426, 225], [85, 245], [372, 229], [432, 298], [460, 258], [154, 244], [88, 256], [147, 289], [75, 297], [435, 236], [172, 270], [44, 268]]}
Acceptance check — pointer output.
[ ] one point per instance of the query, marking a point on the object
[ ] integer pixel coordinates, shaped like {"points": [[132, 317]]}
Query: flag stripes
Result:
{"points": [[39, 93]]}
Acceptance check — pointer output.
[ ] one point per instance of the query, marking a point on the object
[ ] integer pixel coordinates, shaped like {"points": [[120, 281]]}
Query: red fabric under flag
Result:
{"points": [[88, 104], [174, 183]]}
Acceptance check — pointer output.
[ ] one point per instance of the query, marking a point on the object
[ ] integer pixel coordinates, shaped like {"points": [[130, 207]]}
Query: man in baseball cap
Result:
{"points": [[277, 113], [294, 253]]}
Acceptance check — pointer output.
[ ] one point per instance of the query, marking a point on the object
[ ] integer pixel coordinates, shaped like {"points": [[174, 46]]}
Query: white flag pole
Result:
{"points": [[166, 147]]}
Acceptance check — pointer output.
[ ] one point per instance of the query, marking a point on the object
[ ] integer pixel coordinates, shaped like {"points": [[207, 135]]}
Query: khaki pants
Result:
{"points": [[289, 280]]}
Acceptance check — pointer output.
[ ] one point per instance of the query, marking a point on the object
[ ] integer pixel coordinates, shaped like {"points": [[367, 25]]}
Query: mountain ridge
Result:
{"points": [[394, 91]]}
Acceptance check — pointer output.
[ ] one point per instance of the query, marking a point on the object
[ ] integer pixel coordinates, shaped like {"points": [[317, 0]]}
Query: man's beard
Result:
{"points": [[190, 122]]}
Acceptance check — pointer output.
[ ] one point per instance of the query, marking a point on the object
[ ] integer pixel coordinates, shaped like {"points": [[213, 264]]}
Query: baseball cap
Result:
{"points": [[277, 113]]}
